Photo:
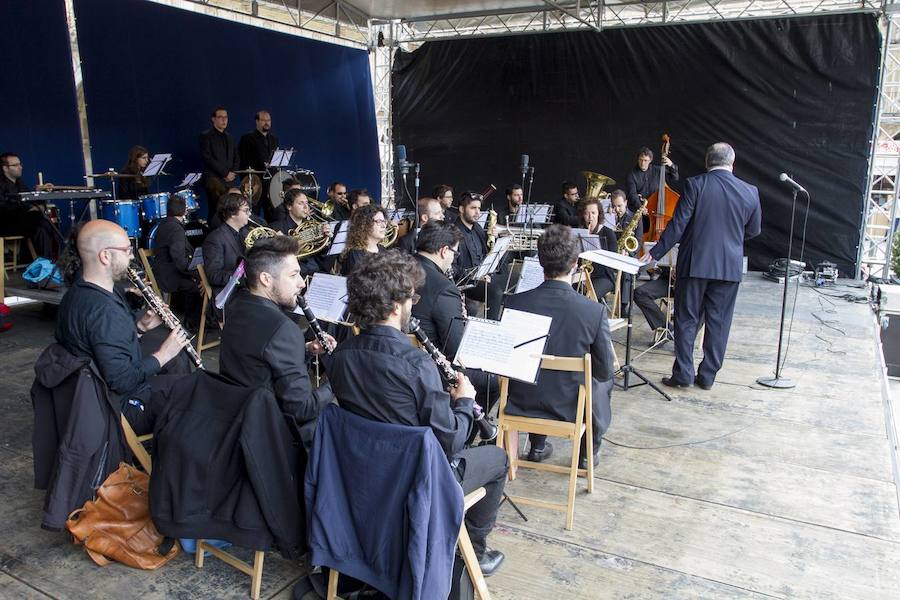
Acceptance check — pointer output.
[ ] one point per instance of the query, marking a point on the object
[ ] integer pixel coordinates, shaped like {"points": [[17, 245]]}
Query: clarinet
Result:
{"points": [[315, 326], [167, 316], [487, 430]]}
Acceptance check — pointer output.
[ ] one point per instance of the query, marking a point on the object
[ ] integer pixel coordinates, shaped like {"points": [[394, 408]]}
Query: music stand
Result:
{"points": [[631, 266]]}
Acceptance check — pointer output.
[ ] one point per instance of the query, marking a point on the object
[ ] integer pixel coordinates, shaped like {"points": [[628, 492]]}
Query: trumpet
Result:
{"points": [[325, 209], [167, 316]]}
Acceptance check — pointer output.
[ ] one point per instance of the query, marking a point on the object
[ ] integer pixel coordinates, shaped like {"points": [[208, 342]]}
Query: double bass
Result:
{"points": [[661, 203]]}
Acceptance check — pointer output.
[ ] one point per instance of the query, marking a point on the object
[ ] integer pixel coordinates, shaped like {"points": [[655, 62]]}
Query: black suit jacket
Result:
{"points": [[564, 213], [579, 327], [256, 149], [173, 255], [440, 310], [472, 248], [223, 249], [219, 153], [716, 213]]}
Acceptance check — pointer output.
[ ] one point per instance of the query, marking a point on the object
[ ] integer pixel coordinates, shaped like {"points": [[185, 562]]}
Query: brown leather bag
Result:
{"points": [[116, 525]]}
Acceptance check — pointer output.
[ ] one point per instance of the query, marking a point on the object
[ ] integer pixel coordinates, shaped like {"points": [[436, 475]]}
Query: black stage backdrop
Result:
{"points": [[154, 73], [795, 95], [39, 119]]}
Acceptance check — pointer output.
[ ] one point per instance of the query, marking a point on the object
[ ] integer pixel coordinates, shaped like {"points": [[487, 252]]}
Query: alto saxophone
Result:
{"points": [[627, 239], [159, 307], [490, 228]]}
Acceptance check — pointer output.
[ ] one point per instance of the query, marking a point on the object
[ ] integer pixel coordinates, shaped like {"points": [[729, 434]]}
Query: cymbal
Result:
{"points": [[111, 174], [249, 172]]}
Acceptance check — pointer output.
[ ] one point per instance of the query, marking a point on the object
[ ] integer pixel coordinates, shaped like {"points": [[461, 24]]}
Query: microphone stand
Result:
{"points": [[779, 382], [415, 231]]}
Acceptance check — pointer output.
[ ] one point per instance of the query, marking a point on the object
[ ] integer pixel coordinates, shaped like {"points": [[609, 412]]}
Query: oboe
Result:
{"points": [[157, 306], [486, 429], [327, 343]]}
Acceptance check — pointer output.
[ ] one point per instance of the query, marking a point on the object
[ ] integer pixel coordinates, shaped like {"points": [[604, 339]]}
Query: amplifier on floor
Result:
{"points": [[890, 342]]}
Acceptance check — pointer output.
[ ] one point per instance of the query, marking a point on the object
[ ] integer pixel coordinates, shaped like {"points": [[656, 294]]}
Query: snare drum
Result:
{"points": [[154, 206], [124, 212], [190, 199]]}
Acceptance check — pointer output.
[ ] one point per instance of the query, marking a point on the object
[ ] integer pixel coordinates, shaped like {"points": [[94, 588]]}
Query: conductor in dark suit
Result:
{"points": [[716, 213], [223, 248], [579, 327], [220, 159]]}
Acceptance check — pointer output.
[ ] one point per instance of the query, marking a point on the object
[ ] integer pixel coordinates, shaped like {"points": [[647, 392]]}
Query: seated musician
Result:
{"points": [[429, 210], [358, 198], [579, 327], [444, 195], [379, 375], [564, 211], [368, 226], [223, 248], [299, 214], [618, 204], [508, 207], [261, 345], [131, 188], [603, 278], [94, 321], [337, 195], [472, 250], [23, 218], [173, 254]]}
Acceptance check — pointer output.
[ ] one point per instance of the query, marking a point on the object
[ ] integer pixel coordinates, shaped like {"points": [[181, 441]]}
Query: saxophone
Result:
{"points": [[627, 241], [490, 227]]}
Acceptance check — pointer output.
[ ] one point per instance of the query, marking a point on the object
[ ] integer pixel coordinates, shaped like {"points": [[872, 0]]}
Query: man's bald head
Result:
{"points": [[94, 236]]}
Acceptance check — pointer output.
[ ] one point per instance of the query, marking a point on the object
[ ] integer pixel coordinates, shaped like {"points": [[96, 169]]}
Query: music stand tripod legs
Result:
{"points": [[627, 368]]}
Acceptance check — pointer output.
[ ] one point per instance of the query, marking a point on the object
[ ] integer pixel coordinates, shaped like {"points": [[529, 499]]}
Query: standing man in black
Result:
{"points": [[22, 218], [220, 160], [643, 179], [564, 211], [255, 151], [472, 250], [716, 213], [579, 327], [379, 375], [223, 248], [261, 345]]}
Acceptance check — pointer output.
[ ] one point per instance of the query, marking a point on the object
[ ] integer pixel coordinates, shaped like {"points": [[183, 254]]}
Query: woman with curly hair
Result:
{"points": [[368, 226]]}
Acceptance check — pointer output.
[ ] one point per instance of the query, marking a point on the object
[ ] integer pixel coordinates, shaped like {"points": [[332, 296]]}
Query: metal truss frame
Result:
{"points": [[381, 57]]}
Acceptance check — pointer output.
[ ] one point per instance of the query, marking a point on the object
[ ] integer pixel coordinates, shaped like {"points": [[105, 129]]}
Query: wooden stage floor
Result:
{"points": [[739, 492]]}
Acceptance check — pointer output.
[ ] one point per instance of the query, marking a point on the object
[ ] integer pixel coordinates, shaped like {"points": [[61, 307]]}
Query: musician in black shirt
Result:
{"points": [[337, 195], [255, 151], [643, 179], [379, 375], [429, 210], [508, 207], [131, 188], [472, 250], [172, 257], [564, 211], [298, 214], [444, 195], [367, 229], [603, 278], [223, 248], [22, 218], [220, 160]]}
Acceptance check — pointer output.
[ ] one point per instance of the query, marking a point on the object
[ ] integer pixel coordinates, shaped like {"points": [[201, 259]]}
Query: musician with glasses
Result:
{"points": [[23, 218], [223, 248], [220, 160], [337, 195], [564, 211], [262, 347], [94, 321], [444, 195], [379, 375], [368, 226], [255, 150]]}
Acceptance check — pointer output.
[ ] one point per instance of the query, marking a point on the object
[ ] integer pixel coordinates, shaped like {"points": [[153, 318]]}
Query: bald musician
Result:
{"points": [[95, 322]]}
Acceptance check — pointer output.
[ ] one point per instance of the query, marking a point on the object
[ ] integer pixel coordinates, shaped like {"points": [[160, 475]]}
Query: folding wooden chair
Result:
{"points": [[208, 299], [510, 425], [464, 543], [146, 254]]}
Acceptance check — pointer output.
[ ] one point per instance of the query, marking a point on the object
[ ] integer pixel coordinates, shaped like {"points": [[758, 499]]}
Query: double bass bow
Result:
{"points": [[661, 203]]}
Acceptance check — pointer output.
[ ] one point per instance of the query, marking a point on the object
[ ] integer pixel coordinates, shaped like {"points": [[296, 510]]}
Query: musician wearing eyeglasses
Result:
{"points": [[255, 151], [379, 375], [262, 347], [337, 195], [96, 322], [220, 159], [444, 195], [472, 250], [21, 218], [579, 327], [223, 248], [368, 226], [564, 210], [429, 210], [643, 179]]}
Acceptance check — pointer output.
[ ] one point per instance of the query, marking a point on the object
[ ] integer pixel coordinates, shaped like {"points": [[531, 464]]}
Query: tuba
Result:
{"points": [[627, 240], [311, 236], [595, 184], [257, 233]]}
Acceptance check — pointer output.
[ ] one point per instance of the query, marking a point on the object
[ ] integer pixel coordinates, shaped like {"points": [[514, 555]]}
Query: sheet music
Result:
{"points": [[617, 262], [536, 213], [156, 164], [531, 275], [339, 241], [222, 297], [491, 345], [482, 220], [588, 240], [492, 261], [190, 179], [609, 215], [196, 259], [669, 259], [281, 158], [327, 297]]}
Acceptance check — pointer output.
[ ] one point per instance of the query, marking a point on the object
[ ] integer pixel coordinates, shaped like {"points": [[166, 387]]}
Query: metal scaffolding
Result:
{"points": [[381, 53]]}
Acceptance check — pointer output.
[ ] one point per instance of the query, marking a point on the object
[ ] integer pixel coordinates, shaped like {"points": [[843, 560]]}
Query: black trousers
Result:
{"points": [[645, 297], [484, 466], [143, 407], [601, 415], [710, 301]]}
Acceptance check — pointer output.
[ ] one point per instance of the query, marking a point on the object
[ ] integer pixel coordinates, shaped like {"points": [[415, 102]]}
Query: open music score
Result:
{"points": [[511, 347], [588, 240], [536, 214], [617, 262], [492, 261], [531, 275], [326, 296], [156, 164], [339, 241], [281, 158]]}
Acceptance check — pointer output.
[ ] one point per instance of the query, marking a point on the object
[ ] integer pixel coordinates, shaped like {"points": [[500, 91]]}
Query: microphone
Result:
{"points": [[523, 165], [784, 177], [401, 159]]}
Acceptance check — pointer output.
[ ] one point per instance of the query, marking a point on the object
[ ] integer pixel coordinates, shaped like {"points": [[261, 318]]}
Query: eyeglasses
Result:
{"points": [[340, 193], [455, 251], [127, 249], [246, 210], [381, 222]]}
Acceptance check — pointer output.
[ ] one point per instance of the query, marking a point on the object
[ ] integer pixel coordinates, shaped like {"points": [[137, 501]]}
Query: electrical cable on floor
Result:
{"points": [[694, 443]]}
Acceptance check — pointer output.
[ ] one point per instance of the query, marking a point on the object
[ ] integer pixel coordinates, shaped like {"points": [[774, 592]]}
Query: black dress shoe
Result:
{"points": [[582, 460], [701, 385], [490, 562], [540, 454], [670, 382]]}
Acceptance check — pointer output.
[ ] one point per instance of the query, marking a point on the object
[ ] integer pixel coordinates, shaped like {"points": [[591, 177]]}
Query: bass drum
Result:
{"points": [[306, 178]]}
